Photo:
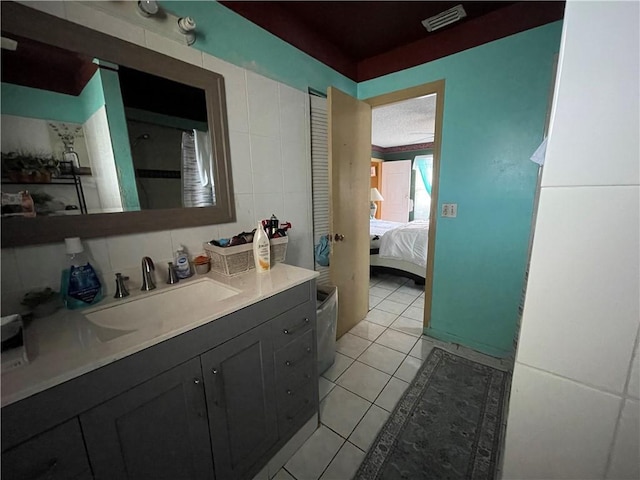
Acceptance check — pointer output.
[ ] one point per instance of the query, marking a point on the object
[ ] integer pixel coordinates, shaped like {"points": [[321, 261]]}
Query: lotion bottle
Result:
{"points": [[261, 249]]}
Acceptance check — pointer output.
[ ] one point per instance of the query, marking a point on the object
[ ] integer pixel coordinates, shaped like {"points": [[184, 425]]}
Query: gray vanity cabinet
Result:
{"points": [[58, 453], [156, 430], [239, 385]]}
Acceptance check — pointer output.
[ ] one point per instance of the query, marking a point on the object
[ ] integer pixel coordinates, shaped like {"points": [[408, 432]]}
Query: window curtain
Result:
{"points": [[198, 189], [424, 165]]}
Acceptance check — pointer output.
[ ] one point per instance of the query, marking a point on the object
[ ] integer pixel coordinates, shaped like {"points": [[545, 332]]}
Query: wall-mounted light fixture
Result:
{"points": [[148, 8], [187, 26], [151, 16]]}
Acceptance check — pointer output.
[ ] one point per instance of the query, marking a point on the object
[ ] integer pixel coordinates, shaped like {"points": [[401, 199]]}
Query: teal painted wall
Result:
{"points": [[494, 112], [230, 37], [120, 139], [35, 103], [92, 96]]}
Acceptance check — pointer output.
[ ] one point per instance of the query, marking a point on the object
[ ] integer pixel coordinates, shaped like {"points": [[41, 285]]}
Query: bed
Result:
{"points": [[399, 248]]}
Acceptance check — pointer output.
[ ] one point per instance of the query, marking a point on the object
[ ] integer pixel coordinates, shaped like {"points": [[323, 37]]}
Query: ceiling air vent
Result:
{"points": [[444, 18]]}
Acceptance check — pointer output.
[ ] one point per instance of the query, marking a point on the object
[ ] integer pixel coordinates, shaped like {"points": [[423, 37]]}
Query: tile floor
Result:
{"points": [[374, 364]]}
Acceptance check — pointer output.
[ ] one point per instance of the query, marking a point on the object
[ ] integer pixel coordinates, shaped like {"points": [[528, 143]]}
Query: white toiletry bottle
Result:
{"points": [[183, 269], [80, 284], [261, 250]]}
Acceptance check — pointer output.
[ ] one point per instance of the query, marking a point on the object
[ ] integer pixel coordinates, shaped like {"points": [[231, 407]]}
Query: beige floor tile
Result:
{"points": [[366, 431], [383, 358], [414, 313], [391, 394], [381, 317], [367, 330], [341, 411], [351, 345], [340, 364], [315, 455], [397, 340], [391, 306], [345, 464], [408, 369], [324, 387], [407, 325], [363, 380]]}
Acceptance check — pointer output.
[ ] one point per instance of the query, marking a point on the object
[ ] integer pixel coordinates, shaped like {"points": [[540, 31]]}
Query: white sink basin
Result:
{"points": [[180, 305]]}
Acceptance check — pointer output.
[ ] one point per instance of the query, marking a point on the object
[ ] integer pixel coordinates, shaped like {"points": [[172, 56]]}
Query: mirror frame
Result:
{"points": [[20, 231]]}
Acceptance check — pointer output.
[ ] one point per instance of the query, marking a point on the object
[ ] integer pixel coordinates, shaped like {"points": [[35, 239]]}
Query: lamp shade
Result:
{"points": [[375, 195]]}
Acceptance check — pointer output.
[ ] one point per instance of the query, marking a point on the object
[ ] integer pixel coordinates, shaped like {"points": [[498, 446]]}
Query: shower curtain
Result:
{"points": [[198, 189]]}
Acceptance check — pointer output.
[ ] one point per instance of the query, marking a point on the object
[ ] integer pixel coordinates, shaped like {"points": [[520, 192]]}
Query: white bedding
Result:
{"points": [[406, 242]]}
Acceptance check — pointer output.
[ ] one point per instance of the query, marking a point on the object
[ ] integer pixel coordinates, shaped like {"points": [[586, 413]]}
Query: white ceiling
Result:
{"points": [[404, 123]]}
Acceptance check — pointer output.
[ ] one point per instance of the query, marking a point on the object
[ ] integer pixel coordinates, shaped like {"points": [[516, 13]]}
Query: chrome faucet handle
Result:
{"points": [[121, 288], [173, 276], [147, 274]]}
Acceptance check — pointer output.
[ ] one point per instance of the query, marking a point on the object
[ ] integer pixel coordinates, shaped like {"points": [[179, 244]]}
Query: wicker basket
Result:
{"points": [[230, 261]]}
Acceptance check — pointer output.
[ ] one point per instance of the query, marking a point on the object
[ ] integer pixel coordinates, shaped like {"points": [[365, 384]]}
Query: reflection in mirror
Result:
{"points": [[105, 170], [122, 140]]}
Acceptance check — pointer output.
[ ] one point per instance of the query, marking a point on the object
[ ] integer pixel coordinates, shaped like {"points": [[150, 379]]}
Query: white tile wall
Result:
{"points": [[587, 53], [103, 22], [589, 295], [268, 134], [573, 411], [568, 425], [624, 460]]}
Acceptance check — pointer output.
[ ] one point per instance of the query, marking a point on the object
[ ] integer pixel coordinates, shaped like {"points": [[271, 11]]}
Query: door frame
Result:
{"points": [[430, 88]]}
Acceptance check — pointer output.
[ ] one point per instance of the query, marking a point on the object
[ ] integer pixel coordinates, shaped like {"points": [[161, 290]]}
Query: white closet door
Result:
{"points": [[396, 185], [320, 176]]}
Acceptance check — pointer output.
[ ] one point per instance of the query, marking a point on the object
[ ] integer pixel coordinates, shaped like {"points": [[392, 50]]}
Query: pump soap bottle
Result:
{"points": [[80, 284]]}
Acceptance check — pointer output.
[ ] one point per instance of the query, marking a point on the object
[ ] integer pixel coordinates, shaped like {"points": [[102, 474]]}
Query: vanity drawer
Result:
{"points": [[296, 380], [57, 453], [292, 414], [291, 325], [293, 394], [290, 357]]}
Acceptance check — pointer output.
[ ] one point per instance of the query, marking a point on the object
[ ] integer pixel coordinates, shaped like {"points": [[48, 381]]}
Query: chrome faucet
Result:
{"points": [[147, 274], [121, 288]]}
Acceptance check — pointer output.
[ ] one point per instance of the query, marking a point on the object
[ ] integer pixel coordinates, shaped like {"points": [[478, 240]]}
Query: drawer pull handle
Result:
{"points": [[291, 331], [289, 392], [290, 363], [196, 381]]}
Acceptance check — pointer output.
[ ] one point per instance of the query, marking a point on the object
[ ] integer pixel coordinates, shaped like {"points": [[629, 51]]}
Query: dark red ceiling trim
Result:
{"points": [[286, 26], [498, 24]]}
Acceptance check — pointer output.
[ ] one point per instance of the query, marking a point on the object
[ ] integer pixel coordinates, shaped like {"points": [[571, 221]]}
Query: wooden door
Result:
{"points": [[240, 389], [349, 173], [156, 430], [396, 189]]}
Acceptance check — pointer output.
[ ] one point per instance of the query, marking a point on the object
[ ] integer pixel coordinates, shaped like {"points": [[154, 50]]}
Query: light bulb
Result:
{"points": [[148, 7]]}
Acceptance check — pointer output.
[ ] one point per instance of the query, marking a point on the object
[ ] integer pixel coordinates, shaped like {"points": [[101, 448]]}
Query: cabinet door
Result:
{"points": [[239, 384], [156, 430], [56, 454]]}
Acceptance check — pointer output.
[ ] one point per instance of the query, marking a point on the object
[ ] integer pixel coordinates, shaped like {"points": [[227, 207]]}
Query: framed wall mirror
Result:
{"points": [[102, 137]]}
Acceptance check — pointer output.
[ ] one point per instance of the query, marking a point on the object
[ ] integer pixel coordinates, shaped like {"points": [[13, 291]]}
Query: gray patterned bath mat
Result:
{"points": [[447, 424]]}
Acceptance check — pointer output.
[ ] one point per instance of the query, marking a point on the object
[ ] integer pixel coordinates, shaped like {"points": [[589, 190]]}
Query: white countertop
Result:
{"points": [[66, 345]]}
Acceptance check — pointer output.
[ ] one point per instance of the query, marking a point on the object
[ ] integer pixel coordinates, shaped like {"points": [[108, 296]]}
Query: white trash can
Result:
{"points": [[327, 316]]}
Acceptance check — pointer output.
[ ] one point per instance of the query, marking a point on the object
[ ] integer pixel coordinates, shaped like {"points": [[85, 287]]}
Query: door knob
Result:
{"points": [[338, 238]]}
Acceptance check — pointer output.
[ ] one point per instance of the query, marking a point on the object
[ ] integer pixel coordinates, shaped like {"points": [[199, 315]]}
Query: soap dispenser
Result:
{"points": [[80, 284]]}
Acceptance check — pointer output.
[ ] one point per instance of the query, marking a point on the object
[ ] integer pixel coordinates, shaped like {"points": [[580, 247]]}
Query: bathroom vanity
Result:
{"points": [[212, 398]]}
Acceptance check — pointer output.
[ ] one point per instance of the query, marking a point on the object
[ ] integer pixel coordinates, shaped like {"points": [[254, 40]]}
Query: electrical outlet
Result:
{"points": [[449, 210]]}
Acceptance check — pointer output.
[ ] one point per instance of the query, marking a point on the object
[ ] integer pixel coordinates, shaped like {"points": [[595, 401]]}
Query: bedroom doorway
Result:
{"points": [[426, 170]]}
